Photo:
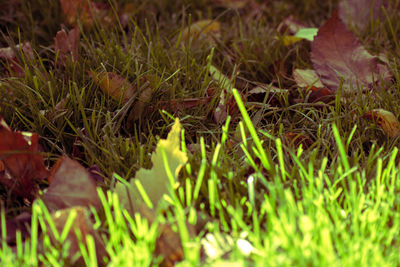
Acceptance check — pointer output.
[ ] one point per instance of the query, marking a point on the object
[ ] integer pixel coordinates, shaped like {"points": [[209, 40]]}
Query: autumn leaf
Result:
{"points": [[337, 54], [70, 185], [360, 12], [75, 10], [386, 120], [81, 224], [22, 162], [203, 29], [66, 46], [155, 181], [234, 4], [8, 54], [309, 79], [114, 85], [297, 139]]}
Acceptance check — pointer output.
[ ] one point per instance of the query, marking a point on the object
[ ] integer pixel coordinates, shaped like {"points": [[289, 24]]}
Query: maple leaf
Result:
{"points": [[70, 185], [337, 54], [23, 165], [155, 181]]}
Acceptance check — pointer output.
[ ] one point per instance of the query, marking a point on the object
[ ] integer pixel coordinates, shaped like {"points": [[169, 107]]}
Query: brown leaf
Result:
{"points": [[115, 85], [360, 12], [66, 46], [70, 185], [336, 53], [386, 120], [234, 4], [19, 153], [83, 224]]}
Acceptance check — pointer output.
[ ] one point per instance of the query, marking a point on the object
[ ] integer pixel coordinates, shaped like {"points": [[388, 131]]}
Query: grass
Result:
{"points": [[246, 195]]}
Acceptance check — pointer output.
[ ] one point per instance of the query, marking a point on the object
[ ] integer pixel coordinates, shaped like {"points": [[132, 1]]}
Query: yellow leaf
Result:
{"points": [[155, 181]]}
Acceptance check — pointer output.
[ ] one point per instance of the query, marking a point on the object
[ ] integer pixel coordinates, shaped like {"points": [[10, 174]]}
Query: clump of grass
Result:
{"points": [[257, 198]]}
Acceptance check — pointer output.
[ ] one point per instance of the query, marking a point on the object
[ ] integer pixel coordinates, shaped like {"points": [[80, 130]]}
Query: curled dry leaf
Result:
{"points": [[360, 12], [66, 46], [82, 224], [23, 164], [203, 29], [8, 54], [337, 54], [114, 85], [386, 120], [70, 185]]}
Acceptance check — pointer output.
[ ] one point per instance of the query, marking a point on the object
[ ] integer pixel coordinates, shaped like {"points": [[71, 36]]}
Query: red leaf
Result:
{"points": [[66, 45], [19, 153], [336, 53], [71, 185]]}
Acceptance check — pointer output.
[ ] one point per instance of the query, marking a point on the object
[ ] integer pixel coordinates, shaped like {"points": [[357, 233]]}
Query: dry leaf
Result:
{"points": [[83, 224], [114, 85], [234, 4], [75, 10], [66, 46], [8, 54], [297, 139], [70, 185], [360, 12], [386, 120], [307, 78], [20, 223], [23, 165], [203, 29], [336, 53]]}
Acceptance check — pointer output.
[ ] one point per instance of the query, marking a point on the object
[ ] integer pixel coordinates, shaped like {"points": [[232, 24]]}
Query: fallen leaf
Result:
{"points": [[23, 164], [74, 10], [307, 78], [70, 185], [203, 29], [82, 223], [146, 91], [66, 46], [8, 54], [360, 12], [386, 120], [234, 4], [337, 54], [156, 184], [290, 26], [297, 139], [20, 223], [114, 85], [155, 181]]}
